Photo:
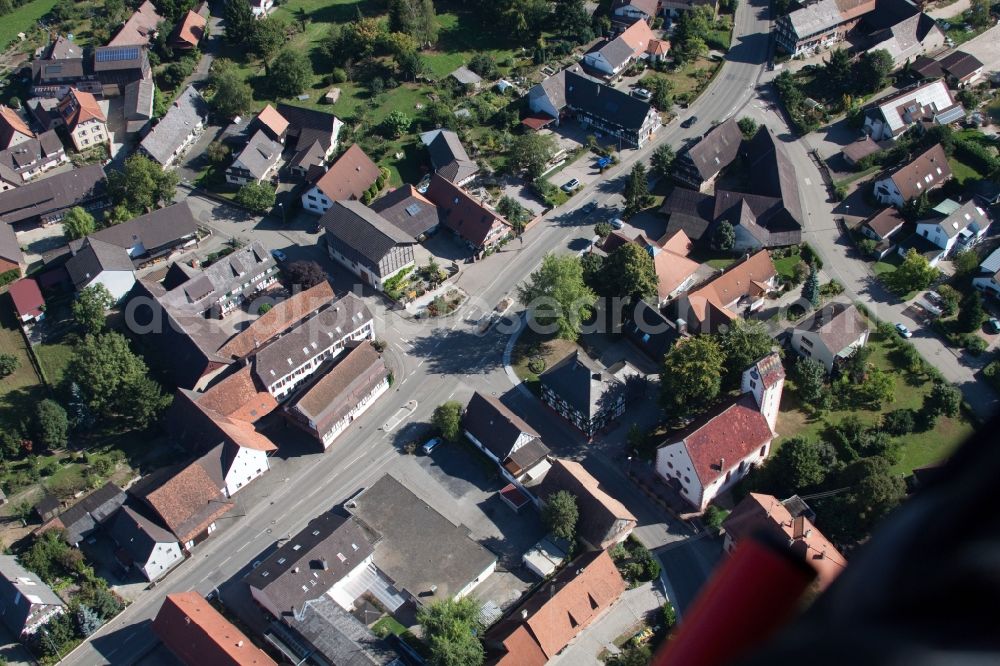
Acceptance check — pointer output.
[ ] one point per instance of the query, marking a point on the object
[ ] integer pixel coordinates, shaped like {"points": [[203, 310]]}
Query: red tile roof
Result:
{"points": [[27, 297], [274, 121], [11, 122], [348, 177], [462, 214], [743, 279], [759, 512], [78, 107], [238, 397], [559, 610], [188, 502], [198, 634], [638, 36], [192, 28], [730, 435]]}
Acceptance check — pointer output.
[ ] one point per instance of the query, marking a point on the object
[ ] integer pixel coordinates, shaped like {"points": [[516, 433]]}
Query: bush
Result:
{"points": [[899, 422], [537, 365], [974, 344], [9, 276], [264, 308], [338, 75]]}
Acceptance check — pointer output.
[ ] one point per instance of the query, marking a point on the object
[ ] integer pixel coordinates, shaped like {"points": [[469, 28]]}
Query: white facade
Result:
{"points": [[768, 397], [521, 440], [282, 386], [597, 61], [362, 406], [315, 201], [691, 488], [362, 271], [118, 283], [987, 283], [810, 345], [89, 134], [246, 466], [631, 12], [887, 193], [965, 228], [477, 580], [261, 8], [539, 102], [165, 556]]}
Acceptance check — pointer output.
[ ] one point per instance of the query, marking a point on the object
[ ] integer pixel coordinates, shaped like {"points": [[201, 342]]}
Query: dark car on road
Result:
{"points": [[690, 122]]}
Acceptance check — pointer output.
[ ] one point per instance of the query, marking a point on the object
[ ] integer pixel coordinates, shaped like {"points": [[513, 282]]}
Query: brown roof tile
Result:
{"points": [[274, 121], [885, 222], [279, 318], [198, 634], [238, 397], [188, 502], [349, 177], [927, 171], [759, 512], [192, 28], [599, 512], [462, 214], [559, 610]]}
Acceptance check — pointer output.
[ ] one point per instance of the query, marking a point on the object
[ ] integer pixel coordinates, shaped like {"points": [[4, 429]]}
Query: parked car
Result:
{"points": [[618, 223], [690, 122], [642, 94], [993, 325], [935, 298], [603, 162], [903, 331], [571, 185], [278, 255], [589, 207], [432, 444]]}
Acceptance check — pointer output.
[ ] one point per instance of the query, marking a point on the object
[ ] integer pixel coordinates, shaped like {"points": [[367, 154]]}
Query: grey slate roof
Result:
{"points": [[318, 557], [163, 227], [420, 548], [836, 324], [716, 150], [616, 52], [93, 258], [295, 348], [138, 104], [10, 249], [408, 210], [20, 590], [338, 636], [305, 128], [356, 226], [53, 194], [259, 156], [448, 155], [187, 111], [82, 518], [581, 383], [587, 94], [554, 88], [136, 534], [493, 424], [960, 64]]}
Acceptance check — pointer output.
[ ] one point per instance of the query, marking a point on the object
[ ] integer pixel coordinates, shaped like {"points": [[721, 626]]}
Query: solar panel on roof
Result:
{"points": [[117, 54], [413, 208]]}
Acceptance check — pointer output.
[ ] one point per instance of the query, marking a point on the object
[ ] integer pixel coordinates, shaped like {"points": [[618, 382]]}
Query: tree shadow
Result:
{"points": [[460, 351]]}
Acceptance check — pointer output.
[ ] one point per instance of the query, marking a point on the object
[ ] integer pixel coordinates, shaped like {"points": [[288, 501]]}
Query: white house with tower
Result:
{"points": [[719, 449]]}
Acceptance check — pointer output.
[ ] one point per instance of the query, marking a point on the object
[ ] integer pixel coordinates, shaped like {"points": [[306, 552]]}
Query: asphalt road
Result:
{"points": [[432, 363]]}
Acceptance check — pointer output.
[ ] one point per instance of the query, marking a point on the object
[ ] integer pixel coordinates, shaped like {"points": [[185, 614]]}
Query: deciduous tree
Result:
{"points": [[258, 197], [231, 95], [748, 126], [290, 73], [8, 364], [556, 295], [873, 69], [239, 21], [304, 274], [692, 376], [560, 514], [447, 419], [629, 272], [532, 152], [267, 36], [141, 186], [451, 628], [971, 314], [91, 306], [514, 213], [913, 274], [794, 467], [416, 18], [744, 342], [78, 223], [724, 236], [51, 424], [809, 376]]}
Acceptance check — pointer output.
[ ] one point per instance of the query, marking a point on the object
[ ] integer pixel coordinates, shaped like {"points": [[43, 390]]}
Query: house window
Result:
{"points": [[763, 451], [806, 342], [687, 480], [670, 464]]}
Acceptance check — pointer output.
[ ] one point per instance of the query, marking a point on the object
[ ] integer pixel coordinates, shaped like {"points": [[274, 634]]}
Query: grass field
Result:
{"points": [[12, 342], [963, 171], [786, 265], [54, 358], [918, 448], [23, 19], [685, 80]]}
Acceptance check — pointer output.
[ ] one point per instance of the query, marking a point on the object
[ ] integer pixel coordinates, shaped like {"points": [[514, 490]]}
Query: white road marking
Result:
{"points": [[243, 546], [807, 181], [225, 560]]}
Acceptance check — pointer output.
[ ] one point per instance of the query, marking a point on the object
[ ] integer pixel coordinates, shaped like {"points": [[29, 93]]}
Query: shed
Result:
{"points": [[48, 507], [28, 301]]}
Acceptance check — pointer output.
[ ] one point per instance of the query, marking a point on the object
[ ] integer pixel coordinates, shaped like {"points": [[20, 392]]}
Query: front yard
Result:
{"points": [[918, 448]]}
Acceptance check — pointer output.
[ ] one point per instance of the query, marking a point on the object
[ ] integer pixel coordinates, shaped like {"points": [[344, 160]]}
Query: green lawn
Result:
{"points": [[23, 19], [786, 265], [686, 80], [12, 342], [54, 358], [918, 448], [721, 264], [963, 171]]}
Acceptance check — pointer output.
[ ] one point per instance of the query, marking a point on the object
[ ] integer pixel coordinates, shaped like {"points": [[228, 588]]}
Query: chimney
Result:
{"points": [[682, 326], [324, 565], [524, 613], [434, 589], [798, 527], [239, 643], [722, 464], [295, 570]]}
